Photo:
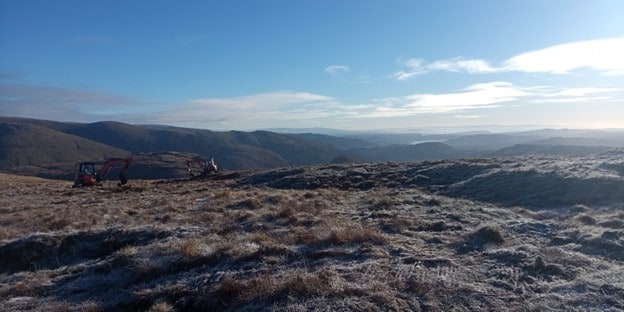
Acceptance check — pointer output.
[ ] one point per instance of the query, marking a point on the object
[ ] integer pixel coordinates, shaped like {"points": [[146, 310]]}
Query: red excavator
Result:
{"points": [[205, 167], [87, 175]]}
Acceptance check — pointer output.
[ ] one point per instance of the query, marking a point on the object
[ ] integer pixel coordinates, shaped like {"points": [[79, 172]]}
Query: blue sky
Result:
{"points": [[244, 65]]}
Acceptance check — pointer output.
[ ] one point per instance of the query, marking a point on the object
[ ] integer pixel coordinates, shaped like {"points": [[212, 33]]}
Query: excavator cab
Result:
{"points": [[87, 167], [86, 174]]}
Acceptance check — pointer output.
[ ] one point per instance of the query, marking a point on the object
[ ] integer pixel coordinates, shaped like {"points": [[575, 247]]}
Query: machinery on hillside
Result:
{"points": [[203, 167], [87, 174]]}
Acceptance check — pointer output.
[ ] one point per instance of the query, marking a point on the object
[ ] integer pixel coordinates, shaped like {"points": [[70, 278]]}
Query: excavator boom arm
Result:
{"points": [[109, 164]]}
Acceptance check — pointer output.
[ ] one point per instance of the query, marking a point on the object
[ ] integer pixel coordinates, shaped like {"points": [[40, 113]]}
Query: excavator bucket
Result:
{"points": [[122, 179]]}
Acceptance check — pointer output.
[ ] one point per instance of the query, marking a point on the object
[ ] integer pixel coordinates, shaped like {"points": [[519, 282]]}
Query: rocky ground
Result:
{"points": [[522, 234]]}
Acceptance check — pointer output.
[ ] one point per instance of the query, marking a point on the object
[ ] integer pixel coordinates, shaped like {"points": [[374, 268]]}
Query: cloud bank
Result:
{"points": [[253, 111], [287, 108], [64, 104], [604, 56], [483, 96], [296, 109]]}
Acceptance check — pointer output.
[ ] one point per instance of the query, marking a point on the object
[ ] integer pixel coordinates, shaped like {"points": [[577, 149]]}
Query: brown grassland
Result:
{"points": [[539, 235]]}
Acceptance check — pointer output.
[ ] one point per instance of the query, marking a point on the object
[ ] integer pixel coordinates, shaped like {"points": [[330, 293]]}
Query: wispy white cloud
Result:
{"points": [[60, 103], [585, 99], [252, 111], [579, 92], [475, 96], [604, 56], [575, 95], [262, 100], [344, 74], [415, 67], [463, 65], [484, 96], [337, 69]]}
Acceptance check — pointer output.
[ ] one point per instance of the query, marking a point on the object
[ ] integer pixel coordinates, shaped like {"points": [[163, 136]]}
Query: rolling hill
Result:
{"points": [[37, 142], [48, 148], [23, 144]]}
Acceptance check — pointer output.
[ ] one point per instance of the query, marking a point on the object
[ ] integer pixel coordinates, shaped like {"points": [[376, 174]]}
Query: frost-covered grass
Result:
{"points": [[342, 237]]}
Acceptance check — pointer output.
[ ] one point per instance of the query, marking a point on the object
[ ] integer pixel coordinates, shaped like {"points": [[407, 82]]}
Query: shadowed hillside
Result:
{"points": [[234, 149], [423, 151], [29, 144], [343, 143]]}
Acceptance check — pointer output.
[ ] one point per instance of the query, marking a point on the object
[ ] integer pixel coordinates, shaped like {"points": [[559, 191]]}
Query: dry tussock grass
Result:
{"points": [[353, 235], [225, 245], [161, 307]]}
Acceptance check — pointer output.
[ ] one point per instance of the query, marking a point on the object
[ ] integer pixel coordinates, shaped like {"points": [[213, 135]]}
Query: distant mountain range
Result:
{"points": [[477, 140], [47, 148], [34, 142]]}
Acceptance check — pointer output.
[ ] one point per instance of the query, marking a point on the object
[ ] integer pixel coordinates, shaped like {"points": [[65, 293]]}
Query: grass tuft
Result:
{"points": [[161, 307], [481, 239], [586, 219], [305, 285], [354, 235], [612, 224]]}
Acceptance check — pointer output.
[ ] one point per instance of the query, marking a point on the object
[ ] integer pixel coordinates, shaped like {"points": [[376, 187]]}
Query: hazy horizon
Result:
{"points": [[347, 65], [433, 130]]}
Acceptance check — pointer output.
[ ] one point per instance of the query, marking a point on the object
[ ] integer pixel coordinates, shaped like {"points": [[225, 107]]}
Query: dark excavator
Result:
{"points": [[87, 175]]}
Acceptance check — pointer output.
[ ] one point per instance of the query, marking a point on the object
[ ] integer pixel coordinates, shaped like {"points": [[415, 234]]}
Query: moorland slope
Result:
{"points": [[539, 233]]}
